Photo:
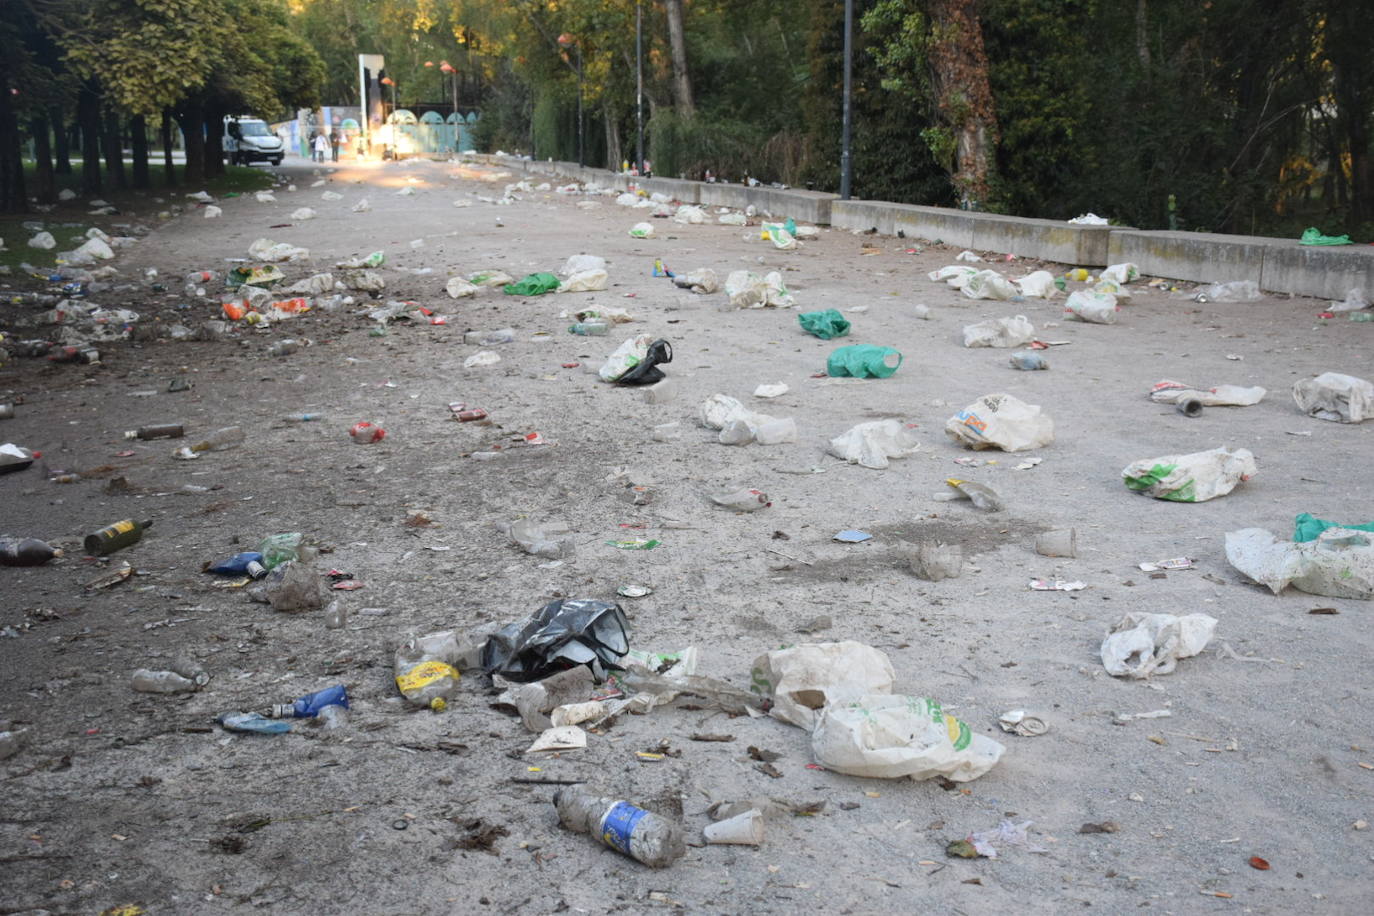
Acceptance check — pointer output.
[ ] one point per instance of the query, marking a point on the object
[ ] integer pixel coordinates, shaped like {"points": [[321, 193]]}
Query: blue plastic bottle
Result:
{"points": [[241, 564], [309, 706]]}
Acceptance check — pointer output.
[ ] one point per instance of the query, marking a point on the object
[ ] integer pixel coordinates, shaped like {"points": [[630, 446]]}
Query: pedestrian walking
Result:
{"points": [[335, 141], [321, 147]]}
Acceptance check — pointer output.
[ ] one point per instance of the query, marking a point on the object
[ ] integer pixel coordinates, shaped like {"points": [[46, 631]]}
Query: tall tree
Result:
{"points": [[677, 43]]}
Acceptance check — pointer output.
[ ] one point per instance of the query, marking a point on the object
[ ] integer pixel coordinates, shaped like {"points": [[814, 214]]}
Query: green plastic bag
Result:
{"points": [[863, 361], [1308, 527], [533, 285], [825, 325], [1313, 236]]}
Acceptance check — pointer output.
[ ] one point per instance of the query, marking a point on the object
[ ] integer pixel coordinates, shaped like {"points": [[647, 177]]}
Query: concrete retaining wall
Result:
{"points": [[1277, 265]]}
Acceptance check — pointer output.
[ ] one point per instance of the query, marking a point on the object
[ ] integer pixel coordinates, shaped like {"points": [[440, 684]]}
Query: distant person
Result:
{"points": [[321, 147], [335, 141]]}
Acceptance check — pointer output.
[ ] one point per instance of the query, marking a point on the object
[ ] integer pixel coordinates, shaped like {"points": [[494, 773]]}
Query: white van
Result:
{"points": [[249, 140]]}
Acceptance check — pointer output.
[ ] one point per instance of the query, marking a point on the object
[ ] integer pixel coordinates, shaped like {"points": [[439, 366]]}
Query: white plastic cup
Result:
{"points": [[741, 830], [1062, 542]]}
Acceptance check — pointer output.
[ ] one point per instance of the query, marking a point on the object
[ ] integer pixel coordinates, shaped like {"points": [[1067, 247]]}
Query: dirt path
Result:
{"points": [[121, 797]]}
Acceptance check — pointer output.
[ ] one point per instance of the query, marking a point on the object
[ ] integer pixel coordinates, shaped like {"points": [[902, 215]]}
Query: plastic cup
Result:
{"points": [[1062, 542], [743, 829]]}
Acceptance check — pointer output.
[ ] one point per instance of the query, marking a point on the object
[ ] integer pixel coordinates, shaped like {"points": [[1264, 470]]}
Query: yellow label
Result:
{"points": [[424, 674], [122, 527]]}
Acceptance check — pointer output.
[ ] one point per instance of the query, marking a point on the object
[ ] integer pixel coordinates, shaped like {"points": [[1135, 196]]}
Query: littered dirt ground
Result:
{"points": [[121, 798]]}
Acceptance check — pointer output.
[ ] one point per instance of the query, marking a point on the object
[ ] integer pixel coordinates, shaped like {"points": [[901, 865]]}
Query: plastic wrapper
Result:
{"points": [[999, 332], [490, 278], [894, 736], [585, 281], [533, 285], [1001, 421], [1339, 563], [1336, 397], [748, 290], [551, 540], [1144, 644], [1038, 285], [1235, 291], [563, 634], [874, 444], [1171, 392], [703, 280], [1192, 478], [458, 288], [1121, 273], [989, 284], [801, 680]]}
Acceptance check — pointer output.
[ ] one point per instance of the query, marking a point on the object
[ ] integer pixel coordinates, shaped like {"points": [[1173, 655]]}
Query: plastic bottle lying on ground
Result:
{"points": [[26, 552], [310, 705], [426, 669], [650, 838], [157, 431]]}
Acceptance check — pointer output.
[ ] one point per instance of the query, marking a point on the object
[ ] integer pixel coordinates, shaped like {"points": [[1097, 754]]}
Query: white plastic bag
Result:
{"points": [[1354, 301], [804, 678], [1235, 291], [585, 281], [626, 356], [688, 214], [1038, 285], [580, 262], [1338, 564], [739, 425], [316, 285], [1001, 421], [732, 219], [626, 199], [872, 444], [1171, 392], [642, 231], [1144, 644], [458, 288], [954, 275], [702, 280], [491, 278], [302, 214], [1332, 396], [989, 284], [999, 332], [267, 250], [1121, 273], [1091, 306], [748, 290], [889, 737], [1192, 478]]}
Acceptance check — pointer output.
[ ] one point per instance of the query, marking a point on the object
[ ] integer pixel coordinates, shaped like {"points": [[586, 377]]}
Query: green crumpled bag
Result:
{"points": [[533, 285], [1313, 236], [825, 325], [863, 361], [1308, 527]]}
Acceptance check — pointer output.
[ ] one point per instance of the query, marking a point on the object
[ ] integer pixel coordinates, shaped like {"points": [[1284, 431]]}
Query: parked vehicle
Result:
{"points": [[248, 140]]}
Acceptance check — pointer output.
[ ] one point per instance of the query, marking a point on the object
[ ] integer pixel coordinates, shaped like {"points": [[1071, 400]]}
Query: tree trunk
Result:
{"points": [[61, 137], [682, 82], [138, 132], [963, 96], [191, 119], [88, 118], [613, 159], [169, 173], [114, 151], [12, 196], [1142, 36], [45, 183], [214, 143]]}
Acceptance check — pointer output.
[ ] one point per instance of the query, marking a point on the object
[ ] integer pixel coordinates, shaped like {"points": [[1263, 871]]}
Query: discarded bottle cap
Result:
{"points": [[634, 591]]}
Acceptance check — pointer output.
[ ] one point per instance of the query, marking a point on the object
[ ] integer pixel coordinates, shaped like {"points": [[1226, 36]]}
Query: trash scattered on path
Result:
{"points": [[1001, 421], [1336, 397], [1338, 563], [1192, 478], [1144, 644]]}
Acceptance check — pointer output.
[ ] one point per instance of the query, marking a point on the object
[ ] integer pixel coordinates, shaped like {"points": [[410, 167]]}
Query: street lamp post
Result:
{"points": [[564, 41], [639, 86]]}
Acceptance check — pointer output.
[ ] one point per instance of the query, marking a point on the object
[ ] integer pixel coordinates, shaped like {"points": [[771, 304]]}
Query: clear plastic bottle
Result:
{"points": [[426, 668], [277, 549], [26, 552], [742, 500], [198, 280], [642, 835], [157, 431], [1028, 360], [489, 338], [192, 670], [593, 328], [284, 347], [146, 681], [220, 439], [335, 615]]}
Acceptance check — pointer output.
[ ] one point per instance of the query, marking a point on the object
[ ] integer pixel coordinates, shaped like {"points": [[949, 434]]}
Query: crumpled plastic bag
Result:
{"points": [[1038, 285], [585, 281], [1307, 527], [316, 285], [825, 325], [1354, 301], [780, 237], [954, 275], [873, 444], [636, 360], [739, 425], [626, 199], [552, 540], [580, 262], [1192, 478], [732, 219], [563, 634], [1313, 236], [1091, 306], [999, 332], [1144, 644], [894, 736], [534, 701], [642, 231], [802, 679], [367, 281], [1112, 288], [1235, 291], [490, 278], [748, 290], [863, 361], [1336, 397], [293, 586], [1171, 392], [458, 288], [363, 262], [1121, 273], [268, 250], [989, 284], [698, 281], [43, 240], [1001, 421], [1338, 564], [302, 213], [536, 284], [96, 248], [688, 214]]}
